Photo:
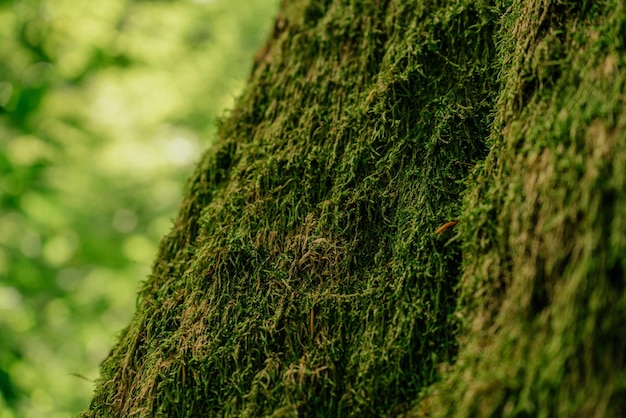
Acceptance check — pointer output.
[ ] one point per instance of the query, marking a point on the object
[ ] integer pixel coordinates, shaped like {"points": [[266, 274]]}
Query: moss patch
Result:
{"points": [[304, 276], [543, 226]]}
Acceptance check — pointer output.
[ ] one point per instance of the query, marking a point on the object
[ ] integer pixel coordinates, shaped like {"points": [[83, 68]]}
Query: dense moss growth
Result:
{"points": [[544, 226], [304, 276]]}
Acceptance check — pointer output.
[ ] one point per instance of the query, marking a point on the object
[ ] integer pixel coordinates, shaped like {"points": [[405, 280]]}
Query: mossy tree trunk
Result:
{"points": [[304, 275]]}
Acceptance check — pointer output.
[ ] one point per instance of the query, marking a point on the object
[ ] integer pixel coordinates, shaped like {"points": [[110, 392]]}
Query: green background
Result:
{"points": [[104, 109]]}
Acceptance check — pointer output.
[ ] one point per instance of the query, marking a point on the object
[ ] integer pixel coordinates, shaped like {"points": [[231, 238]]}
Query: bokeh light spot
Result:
{"points": [[6, 90], [60, 248], [125, 220], [10, 298], [139, 248], [30, 244]]}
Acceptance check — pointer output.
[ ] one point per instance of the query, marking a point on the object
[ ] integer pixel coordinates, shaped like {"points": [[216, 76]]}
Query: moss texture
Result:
{"points": [[304, 276]]}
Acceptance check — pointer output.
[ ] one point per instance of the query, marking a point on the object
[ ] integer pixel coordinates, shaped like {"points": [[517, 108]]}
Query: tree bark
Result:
{"points": [[315, 269]]}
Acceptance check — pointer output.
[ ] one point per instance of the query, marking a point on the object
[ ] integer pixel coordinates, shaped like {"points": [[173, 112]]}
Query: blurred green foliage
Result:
{"points": [[104, 108]]}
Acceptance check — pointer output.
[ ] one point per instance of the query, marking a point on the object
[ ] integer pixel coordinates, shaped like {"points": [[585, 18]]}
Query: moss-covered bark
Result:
{"points": [[303, 274], [544, 225]]}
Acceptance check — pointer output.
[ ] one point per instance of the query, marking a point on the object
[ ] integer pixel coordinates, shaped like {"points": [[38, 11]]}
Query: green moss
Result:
{"points": [[542, 292], [303, 275]]}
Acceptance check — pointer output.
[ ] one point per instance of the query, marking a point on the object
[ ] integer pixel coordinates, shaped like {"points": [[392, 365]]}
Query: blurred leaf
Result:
{"points": [[104, 109]]}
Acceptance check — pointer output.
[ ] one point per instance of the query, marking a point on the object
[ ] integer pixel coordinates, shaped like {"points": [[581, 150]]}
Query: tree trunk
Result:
{"points": [[315, 268]]}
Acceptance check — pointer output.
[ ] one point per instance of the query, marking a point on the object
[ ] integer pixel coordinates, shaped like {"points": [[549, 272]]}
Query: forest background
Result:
{"points": [[104, 109]]}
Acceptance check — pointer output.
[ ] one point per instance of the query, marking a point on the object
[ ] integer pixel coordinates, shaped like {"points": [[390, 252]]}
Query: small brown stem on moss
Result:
{"points": [[445, 226]]}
